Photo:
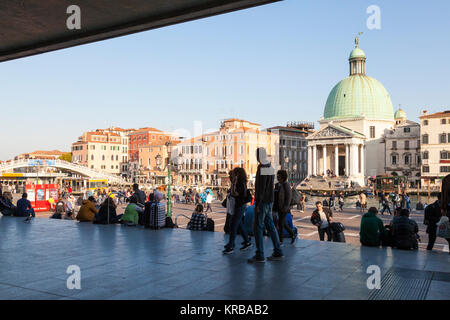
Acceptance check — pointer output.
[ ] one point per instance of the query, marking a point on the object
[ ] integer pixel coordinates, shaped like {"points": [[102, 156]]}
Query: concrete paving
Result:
{"points": [[119, 262]]}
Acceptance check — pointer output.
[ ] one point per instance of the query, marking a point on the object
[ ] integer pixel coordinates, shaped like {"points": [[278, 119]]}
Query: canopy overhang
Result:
{"points": [[33, 27]]}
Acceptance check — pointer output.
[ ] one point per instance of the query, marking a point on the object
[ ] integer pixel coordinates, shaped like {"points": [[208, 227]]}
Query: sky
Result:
{"points": [[270, 64]]}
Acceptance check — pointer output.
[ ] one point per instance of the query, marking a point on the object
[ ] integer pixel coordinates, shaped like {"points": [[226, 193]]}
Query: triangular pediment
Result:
{"points": [[331, 131]]}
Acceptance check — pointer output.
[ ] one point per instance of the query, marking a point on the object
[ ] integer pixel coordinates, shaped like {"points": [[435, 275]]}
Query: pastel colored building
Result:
{"points": [[101, 150], [206, 159], [435, 147]]}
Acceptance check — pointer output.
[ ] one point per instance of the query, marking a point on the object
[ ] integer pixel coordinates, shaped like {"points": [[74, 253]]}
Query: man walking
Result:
{"points": [[263, 209], [321, 218], [431, 217], [209, 199]]}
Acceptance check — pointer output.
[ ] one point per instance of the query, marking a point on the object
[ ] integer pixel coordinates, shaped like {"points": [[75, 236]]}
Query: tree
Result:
{"points": [[66, 156]]}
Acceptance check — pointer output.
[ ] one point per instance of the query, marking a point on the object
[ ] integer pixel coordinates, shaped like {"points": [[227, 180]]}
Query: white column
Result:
{"points": [[324, 153], [354, 158], [336, 160], [315, 160], [363, 160], [347, 160], [309, 154]]}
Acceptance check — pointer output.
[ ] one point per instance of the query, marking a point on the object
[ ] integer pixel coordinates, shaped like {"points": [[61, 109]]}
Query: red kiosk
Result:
{"points": [[39, 194]]}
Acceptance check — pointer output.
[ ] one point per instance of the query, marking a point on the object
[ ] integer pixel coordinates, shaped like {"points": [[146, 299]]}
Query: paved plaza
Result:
{"points": [[119, 262]]}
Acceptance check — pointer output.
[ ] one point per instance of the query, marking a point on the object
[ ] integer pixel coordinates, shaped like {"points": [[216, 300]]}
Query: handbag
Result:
{"points": [[443, 228], [230, 204]]}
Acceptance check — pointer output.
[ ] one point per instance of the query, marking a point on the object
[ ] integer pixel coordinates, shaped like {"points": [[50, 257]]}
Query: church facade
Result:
{"points": [[349, 144]]}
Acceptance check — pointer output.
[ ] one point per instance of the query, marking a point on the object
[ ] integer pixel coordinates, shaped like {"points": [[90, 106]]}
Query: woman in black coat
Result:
{"points": [[108, 206], [282, 199]]}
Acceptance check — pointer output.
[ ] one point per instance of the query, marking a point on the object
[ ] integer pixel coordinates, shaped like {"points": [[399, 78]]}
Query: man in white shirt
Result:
{"points": [[209, 199]]}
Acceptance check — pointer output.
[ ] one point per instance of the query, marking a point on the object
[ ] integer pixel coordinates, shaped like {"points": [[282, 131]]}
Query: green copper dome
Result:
{"points": [[399, 114], [357, 53], [357, 96]]}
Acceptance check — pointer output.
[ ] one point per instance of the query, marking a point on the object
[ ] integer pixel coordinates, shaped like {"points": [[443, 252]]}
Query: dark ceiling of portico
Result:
{"points": [[29, 27]]}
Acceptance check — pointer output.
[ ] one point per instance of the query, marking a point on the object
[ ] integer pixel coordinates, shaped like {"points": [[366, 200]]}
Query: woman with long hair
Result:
{"points": [[108, 207], [239, 193]]}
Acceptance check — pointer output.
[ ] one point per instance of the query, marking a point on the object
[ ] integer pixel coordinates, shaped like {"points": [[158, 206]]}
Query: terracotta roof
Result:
{"points": [[240, 120], [436, 115], [146, 129], [52, 152]]}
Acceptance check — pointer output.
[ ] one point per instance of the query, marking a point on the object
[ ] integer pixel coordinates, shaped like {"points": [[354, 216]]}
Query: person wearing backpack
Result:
{"points": [[282, 205], [239, 193], [432, 216], [405, 231]]}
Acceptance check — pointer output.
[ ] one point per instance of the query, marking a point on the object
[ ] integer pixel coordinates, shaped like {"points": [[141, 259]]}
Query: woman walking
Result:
{"points": [[239, 193]]}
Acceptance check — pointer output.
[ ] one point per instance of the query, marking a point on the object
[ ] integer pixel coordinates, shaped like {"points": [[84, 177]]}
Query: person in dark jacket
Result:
{"points": [[7, 208], [263, 209], [282, 204], [239, 193], [140, 195], [372, 230], [404, 231], [321, 217], [24, 208], [108, 207], [432, 216]]}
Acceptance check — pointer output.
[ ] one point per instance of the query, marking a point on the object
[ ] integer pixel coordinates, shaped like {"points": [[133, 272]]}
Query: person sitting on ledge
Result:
{"points": [[24, 208], [107, 207], [198, 219], [372, 229], [405, 231], [7, 208], [131, 214], [87, 210]]}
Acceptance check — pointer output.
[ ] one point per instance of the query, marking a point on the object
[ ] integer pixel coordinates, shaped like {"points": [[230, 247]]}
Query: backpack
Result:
{"points": [[337, 227], [431, 214], [337, 230], [403, 235], [169, 223], [210, 224]]}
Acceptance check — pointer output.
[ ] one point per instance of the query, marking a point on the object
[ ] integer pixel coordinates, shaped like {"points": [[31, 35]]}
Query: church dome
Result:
{"points": [[399, 114], [357, 53], [359, 95]]}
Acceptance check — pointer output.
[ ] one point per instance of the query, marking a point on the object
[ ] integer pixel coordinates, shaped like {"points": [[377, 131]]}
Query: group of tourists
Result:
{"points": [[22, 209], [399, 201], [334, 200], [269, 200], [403, 232]]}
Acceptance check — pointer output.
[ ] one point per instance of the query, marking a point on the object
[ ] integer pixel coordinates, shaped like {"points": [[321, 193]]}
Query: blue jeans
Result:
{"points": [[236, 224], [264, 218]]}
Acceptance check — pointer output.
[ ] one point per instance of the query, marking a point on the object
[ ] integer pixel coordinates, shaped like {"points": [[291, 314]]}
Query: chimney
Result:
{"points": [[425, 112]]}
